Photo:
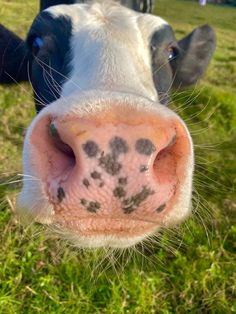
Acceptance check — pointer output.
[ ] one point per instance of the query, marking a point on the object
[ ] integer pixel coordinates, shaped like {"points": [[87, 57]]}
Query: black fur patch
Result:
{"points": [[51, 66], [14, 57], [140, 5]]}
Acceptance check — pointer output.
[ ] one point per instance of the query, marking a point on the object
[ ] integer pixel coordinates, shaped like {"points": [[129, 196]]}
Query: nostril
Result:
{"points": [[172, 141], [59, 144], [168, 148], [166, 163]]}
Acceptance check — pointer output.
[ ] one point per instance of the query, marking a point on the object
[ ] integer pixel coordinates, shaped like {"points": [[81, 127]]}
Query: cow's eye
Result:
{"points": [[172, 53], [37, 44]]}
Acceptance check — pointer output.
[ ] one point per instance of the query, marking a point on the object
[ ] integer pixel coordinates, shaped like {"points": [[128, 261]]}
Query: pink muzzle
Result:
{"points": [[110, 177]]}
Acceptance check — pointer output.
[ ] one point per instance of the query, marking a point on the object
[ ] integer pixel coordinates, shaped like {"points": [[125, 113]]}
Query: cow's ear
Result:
{"points": [[195, 53], [14, 57]]}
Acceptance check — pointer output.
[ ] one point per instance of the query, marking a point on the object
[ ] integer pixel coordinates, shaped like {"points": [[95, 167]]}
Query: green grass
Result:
{"points": [[193, 269]]}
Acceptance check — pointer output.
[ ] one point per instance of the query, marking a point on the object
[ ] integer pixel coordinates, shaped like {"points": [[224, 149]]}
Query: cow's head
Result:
{"points": [[110, 163]]}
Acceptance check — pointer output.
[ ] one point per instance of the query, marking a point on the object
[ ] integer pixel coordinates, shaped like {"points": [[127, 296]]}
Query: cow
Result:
{"points": [[111, 164]]}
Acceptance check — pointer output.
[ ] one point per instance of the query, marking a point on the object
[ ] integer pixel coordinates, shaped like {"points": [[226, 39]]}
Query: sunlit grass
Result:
{"points": [[193, 268]]}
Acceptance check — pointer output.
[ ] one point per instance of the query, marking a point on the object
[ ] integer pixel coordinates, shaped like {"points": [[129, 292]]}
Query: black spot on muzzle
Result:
{"points": [[145, 147]]}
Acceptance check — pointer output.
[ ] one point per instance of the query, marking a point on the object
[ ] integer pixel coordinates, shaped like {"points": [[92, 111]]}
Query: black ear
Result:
{"points": [[196, 51], [14, 57]]}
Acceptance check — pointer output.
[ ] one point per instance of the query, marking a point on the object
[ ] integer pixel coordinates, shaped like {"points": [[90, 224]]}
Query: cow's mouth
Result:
{"points": [[102, 226], [105, 232]]}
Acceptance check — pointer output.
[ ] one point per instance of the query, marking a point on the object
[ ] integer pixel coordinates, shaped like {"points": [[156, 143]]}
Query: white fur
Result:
{"points": [[120, 38]]}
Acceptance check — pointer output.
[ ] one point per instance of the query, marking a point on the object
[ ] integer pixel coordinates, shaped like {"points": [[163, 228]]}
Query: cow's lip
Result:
{"points": [[106, 226]]}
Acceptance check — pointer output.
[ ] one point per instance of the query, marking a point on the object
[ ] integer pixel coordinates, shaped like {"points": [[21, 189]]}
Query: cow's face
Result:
{"points": [[111, 165], [105, 47]]}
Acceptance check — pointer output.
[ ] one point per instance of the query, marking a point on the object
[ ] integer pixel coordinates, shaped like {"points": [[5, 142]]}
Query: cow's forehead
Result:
{"points": [[109, 14]]}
